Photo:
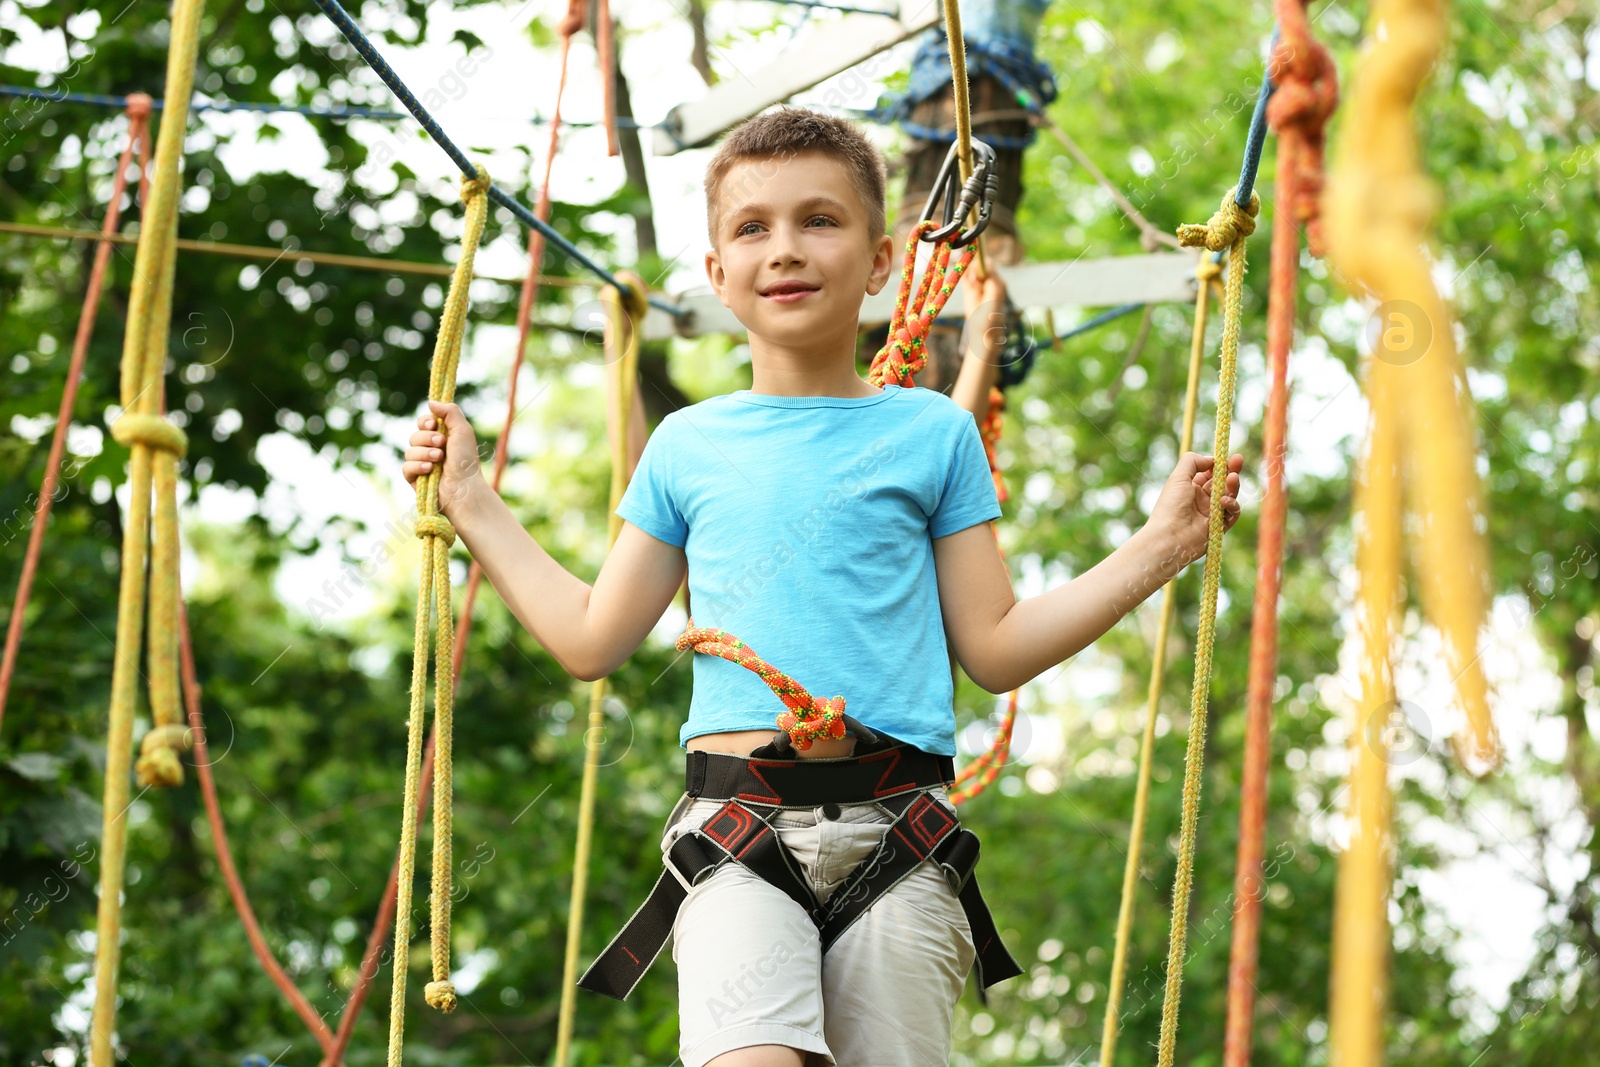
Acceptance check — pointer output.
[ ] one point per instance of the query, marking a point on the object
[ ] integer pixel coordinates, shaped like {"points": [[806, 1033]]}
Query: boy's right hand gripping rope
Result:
{"points": [[905, 351], [808, 717]]}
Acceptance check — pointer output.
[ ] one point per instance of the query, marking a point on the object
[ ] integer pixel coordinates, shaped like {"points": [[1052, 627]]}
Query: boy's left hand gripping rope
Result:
{"points": [[437, 536]]}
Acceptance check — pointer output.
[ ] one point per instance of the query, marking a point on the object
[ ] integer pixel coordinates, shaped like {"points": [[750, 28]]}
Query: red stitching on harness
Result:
{"points": [[929, 836], [754, 798], [742, 817], [882, 789], [752, 843]]}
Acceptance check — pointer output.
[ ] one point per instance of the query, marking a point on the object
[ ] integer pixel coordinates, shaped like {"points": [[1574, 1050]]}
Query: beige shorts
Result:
{"points": [[751, 969]]}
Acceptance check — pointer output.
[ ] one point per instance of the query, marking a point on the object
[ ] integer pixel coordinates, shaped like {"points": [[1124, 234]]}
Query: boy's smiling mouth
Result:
{"points": [[789, 291]]}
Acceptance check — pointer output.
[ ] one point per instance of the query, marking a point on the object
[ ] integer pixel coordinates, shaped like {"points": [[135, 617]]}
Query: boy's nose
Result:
{"points": [[786, 246]]}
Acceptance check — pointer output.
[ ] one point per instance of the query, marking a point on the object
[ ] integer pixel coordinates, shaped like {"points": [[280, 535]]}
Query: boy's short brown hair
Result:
{"points": [[781, 134]]}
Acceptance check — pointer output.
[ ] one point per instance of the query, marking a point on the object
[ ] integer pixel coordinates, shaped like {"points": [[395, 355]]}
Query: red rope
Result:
{"points": [[138, 133], [219, 839], [608, 74], [1298, 112]]}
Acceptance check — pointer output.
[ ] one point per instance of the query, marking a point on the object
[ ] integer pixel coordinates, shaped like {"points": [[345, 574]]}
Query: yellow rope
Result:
{"points": [[624, 316], [1379, 209], [1141, 796], [154, 446], [1227, 229], [1361, 922], [434, 593], [963, 101]]}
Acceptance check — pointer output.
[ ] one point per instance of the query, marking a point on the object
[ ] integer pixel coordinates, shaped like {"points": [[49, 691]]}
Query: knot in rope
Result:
{"points": [[636, 296], [139, 105], [1206, 270], [158, 764], [1230, 223], [131, 428], [440, 995], [1306, 95], [904, 352], [436, 526], [476, 186], [808, 717]]}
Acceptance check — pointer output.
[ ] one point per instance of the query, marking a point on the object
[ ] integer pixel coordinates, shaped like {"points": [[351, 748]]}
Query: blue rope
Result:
{"points": [[1258, 134], [352, 33], [837, 7], [1099, 320], [200, 105]]}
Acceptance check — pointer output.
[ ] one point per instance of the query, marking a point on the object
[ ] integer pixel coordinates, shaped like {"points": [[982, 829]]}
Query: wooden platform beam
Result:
{"points": [[817, 54]]}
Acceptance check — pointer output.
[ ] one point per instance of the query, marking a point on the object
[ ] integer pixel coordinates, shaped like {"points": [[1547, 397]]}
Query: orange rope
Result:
{"points": [[1298, 111], [808, 717], [905, 352], [982, 771], [989, 431], [138, 134]]}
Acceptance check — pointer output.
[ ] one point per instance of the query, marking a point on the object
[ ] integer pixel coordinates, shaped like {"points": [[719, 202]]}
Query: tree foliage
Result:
{"points": [[306, 720]]}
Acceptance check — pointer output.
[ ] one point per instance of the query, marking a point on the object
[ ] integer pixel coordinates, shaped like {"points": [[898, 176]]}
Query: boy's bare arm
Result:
{"points": [[983, 337], [1003, 643], [590, 630]]}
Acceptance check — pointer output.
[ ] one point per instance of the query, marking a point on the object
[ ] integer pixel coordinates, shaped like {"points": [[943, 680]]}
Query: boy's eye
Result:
{"points": [[822, 218], [742, 230]]}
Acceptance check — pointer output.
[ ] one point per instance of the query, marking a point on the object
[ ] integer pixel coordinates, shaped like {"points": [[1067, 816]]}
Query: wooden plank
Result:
{"points": [[817, 54], [1157, 278]]}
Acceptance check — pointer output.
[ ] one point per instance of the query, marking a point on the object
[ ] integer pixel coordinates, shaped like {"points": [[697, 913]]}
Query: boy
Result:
{"points": [[832, 525]]}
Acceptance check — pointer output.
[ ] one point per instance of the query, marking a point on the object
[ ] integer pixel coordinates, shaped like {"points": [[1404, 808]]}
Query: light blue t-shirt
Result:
{"points": [[808, 522]]}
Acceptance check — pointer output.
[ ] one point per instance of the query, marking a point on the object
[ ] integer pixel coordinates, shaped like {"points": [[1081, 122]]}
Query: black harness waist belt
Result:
{"points": [[791, 783], [923, 829]]}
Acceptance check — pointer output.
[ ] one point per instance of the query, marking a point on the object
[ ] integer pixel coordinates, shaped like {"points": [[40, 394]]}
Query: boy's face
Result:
{"points": [[793, 259]]}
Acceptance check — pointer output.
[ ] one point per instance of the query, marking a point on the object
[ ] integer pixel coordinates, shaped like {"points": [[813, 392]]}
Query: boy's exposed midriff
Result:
{"points": [[743, 742]]}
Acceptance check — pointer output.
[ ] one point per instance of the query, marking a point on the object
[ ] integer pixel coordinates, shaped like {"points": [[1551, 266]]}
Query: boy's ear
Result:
{"points": [[882, 264], [717, 276]]}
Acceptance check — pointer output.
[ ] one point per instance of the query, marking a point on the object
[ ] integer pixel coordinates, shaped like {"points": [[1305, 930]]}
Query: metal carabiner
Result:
{"points": [[958, 199]]}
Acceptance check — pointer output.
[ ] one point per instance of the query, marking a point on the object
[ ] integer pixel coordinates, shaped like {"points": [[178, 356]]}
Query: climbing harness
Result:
{"points": [[753, 789], [883, 770]]}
